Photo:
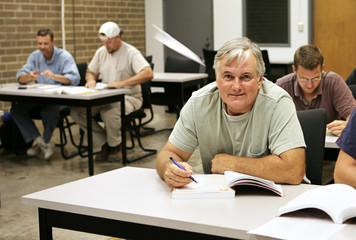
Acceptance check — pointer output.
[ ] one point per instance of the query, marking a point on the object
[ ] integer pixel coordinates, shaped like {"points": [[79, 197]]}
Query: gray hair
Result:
{"points": [[240, 48]]}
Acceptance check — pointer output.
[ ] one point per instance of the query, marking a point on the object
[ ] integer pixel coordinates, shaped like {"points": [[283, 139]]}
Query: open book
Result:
{"points": [[72, 89], [220, 186], [337, 200]]}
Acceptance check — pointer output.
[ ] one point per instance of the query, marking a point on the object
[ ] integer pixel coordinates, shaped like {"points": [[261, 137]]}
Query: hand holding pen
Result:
{"points": [[178, 165]]}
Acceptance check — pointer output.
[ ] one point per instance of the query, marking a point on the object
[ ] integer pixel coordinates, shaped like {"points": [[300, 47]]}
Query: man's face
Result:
{"points": [[45, 45], [111, 44], [238, 84], [308, 80]]}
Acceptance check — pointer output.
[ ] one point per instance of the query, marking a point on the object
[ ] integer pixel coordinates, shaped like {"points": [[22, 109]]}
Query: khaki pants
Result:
{"points": [[111, 116]]}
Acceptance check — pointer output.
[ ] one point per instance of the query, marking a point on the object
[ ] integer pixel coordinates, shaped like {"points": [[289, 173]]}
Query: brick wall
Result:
{"points": [[21, 19]]}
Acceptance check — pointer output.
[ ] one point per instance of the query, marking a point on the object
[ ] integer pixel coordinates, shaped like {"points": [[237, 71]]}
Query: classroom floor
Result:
{"points": [[20, 175]]}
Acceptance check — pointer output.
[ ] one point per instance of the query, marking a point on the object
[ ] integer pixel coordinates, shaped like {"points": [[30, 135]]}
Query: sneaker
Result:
{"points": [[114, 154], [47, 149], [103, 154], [33, 151]]}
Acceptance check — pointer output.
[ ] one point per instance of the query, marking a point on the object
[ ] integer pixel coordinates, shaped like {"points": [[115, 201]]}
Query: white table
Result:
{"points": [[177, 77], [179, 81], [135, 202], [10, 92]]}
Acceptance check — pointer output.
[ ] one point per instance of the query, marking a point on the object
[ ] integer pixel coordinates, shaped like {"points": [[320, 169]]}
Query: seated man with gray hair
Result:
{"points": [[242, 123]]}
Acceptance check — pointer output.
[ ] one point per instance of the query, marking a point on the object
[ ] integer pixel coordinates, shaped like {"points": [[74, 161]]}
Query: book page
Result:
{"points": [[235, 179], [337, 200], [69, 90], [100, 85], [298, 227], [208, 186]]}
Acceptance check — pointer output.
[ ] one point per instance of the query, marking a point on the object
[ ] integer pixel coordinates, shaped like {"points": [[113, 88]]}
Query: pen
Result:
{"points": [[175, 162]]}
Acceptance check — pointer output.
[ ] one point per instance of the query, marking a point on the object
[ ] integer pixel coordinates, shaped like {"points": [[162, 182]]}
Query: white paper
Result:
{"points": [[173, 44], [235, 179], [298, 228], [73, 90], [100, 85], [207, 186], [337, 200]]}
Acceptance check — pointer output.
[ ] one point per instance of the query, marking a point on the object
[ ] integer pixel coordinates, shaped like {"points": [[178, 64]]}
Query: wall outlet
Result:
{"points": [[300, 27]]}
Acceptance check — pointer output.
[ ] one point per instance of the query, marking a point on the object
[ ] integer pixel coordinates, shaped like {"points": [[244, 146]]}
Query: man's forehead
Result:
{"points": [[250, 62]]}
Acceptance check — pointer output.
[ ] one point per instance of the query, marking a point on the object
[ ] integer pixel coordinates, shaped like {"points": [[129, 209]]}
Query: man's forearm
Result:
{"points": [[289, 167], [61, 78], [141, 77]]}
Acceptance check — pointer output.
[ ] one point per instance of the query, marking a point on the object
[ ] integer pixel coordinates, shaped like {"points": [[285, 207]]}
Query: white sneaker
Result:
{"points": [[47, 149], [33, 151]]}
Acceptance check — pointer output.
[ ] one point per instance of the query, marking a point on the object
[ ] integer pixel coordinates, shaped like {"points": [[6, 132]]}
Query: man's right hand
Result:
{"points": [[28, 77], [176, 177], [90, 84]]}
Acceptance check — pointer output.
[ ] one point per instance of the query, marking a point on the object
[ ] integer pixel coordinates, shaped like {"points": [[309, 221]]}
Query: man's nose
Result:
{"points": [[236, 84], [310, 83]]}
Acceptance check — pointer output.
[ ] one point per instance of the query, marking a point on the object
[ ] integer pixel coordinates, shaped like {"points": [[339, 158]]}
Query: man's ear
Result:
{"points": [[294, 69]]}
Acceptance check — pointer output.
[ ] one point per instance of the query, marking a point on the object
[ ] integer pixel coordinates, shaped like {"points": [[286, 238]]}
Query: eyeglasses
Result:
{"points": [[313, 80]]}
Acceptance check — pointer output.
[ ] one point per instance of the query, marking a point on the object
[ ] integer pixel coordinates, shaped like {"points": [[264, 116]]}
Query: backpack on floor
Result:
{"points": [[11, 138]]}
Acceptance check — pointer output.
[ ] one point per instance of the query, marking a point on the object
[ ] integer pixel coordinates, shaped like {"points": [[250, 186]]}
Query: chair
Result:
{"points": [[137, 116], [169, 97], [313, 123], [148, 59], [267, 65], [353, 89], [134, 122], [147, 104], [209, 56], [65, 124], [352, 78]]}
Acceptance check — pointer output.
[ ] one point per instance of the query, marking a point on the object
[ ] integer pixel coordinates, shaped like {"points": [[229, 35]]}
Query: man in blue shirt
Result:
{"points": [[49, 65], [345, 167]]}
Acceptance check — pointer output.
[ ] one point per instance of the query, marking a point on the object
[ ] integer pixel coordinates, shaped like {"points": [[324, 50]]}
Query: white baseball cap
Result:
{"points": [[109, 29]]}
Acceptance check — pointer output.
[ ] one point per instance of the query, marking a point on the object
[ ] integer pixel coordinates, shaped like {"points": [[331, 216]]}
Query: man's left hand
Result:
{"points": [[115, 84], [48, 74], [222, 162]]}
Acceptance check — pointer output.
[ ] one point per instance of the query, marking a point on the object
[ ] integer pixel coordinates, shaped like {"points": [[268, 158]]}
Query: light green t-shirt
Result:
{"points": [[270, 127]]}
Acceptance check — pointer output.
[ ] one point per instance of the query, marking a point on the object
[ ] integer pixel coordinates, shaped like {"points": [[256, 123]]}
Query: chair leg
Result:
{"points": [[63, 138], [81, 148], [132, 139], [133, 127]]}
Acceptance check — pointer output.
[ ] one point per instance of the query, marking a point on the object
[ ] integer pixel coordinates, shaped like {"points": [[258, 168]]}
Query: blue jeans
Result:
{"points": [[21, 113]]}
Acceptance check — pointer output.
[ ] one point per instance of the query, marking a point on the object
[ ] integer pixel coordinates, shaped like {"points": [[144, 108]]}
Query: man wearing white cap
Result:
{"points": [[119, 65]]}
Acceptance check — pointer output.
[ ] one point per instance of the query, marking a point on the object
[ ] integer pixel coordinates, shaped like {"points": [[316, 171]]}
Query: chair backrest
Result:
{"points": [[146, 92], [209, 56], [82, 68], [353, 89], [148, 59], [181, 65], [267, 64], [313, 123], [352, 78]]}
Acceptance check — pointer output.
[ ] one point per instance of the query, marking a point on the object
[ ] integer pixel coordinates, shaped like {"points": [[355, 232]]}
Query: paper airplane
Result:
{"points": [[173, 44]]}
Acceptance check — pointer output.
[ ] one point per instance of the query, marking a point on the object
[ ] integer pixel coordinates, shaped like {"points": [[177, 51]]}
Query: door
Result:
{"points": [[335, 34]]}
